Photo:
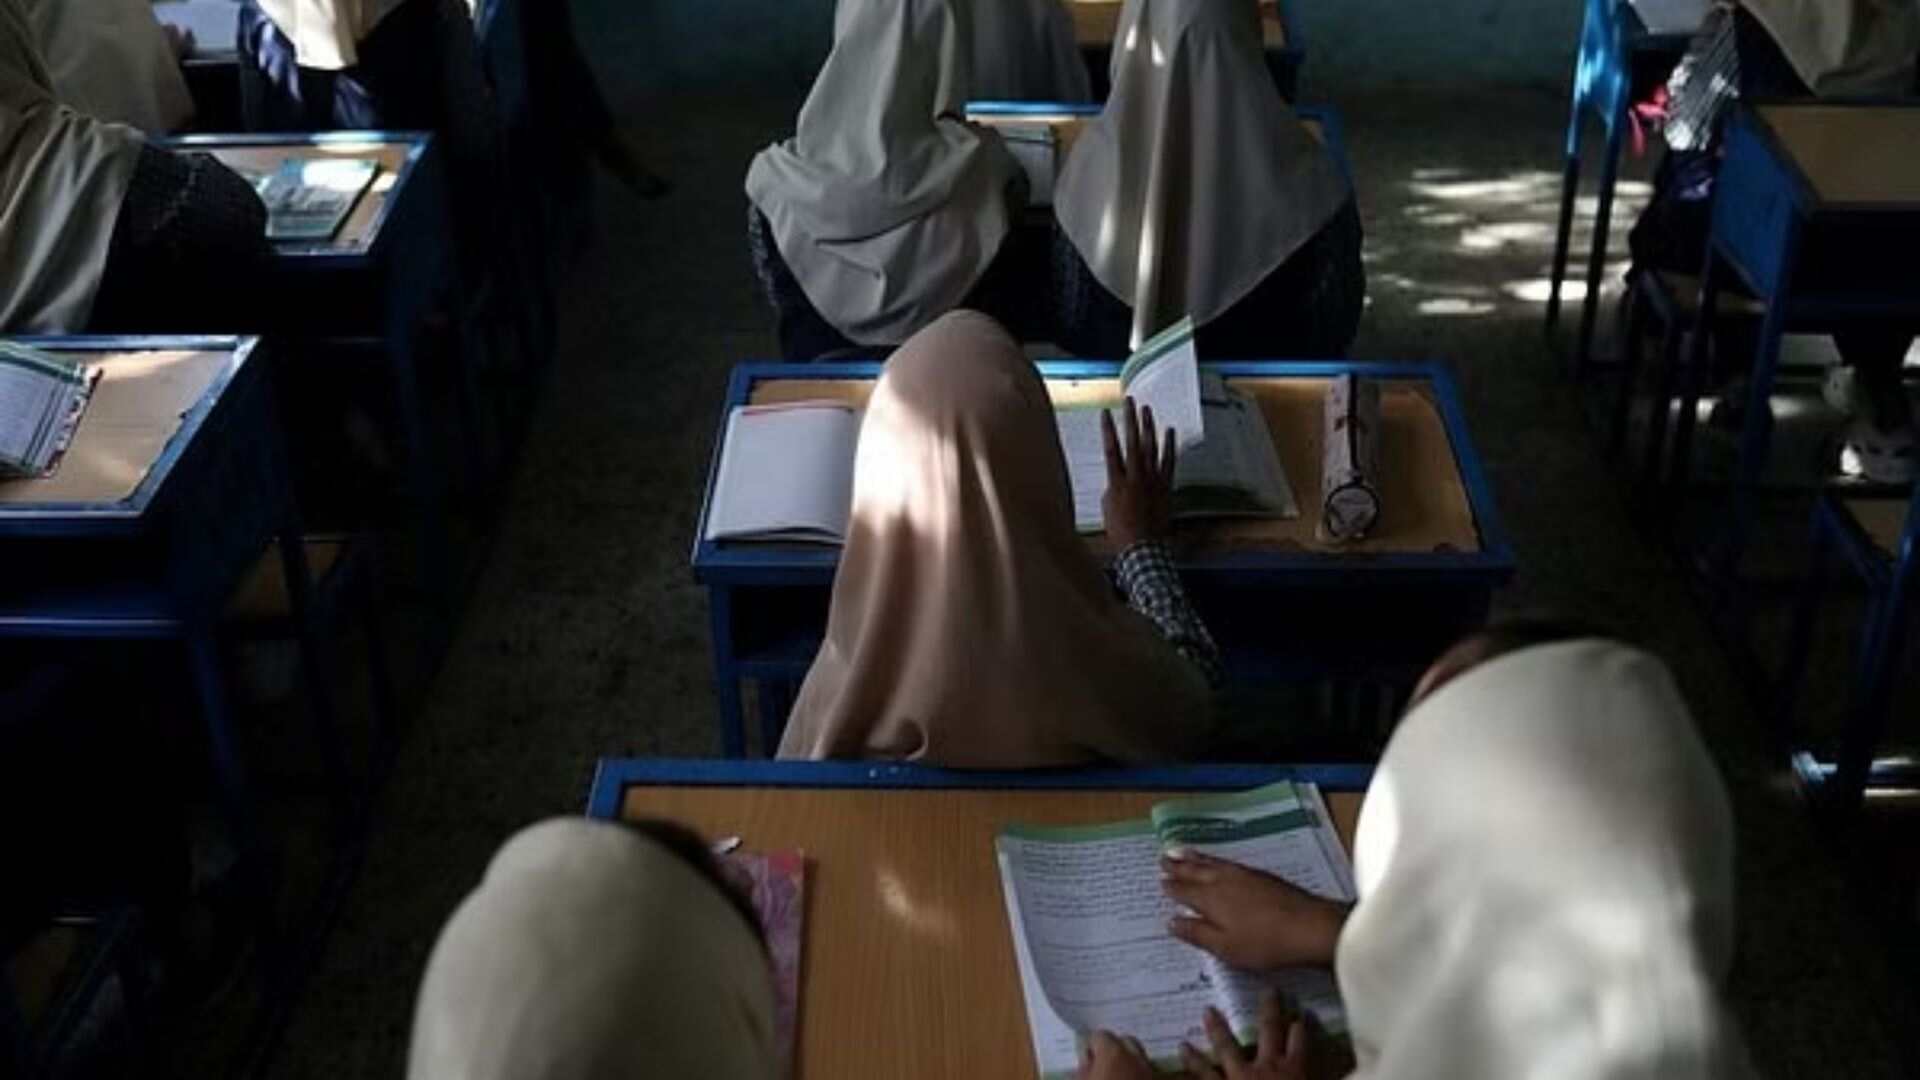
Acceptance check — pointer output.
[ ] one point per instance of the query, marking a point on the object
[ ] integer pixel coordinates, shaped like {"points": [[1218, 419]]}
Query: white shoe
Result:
{"points": [[1883, 457]]}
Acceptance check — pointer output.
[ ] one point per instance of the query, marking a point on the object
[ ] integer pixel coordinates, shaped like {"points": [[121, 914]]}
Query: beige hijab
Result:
{"points": [[326, 34], [110, 60], [62, 178], [1845, 47], [886, 204], [1196, 181], [970, 626], [1024, 50], [1545, 865], [590, 952]]}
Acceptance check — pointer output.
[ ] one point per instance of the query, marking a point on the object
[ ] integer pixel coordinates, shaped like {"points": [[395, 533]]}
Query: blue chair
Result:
{"points": [[1879, 540], [1617, 53]]}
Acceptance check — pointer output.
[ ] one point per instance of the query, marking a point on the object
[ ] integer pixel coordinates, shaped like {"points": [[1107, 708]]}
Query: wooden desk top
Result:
{"points": [[1852, 153], [1424, 503], [358, 233], [1096, 21], [137, 408], [907, 969]]}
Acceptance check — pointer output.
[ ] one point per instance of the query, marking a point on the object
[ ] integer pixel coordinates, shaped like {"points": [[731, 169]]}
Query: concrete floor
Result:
{"points": [[585, 636]]}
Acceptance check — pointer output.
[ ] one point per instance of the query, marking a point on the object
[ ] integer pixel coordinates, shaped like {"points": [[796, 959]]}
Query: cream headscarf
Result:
{"points": [[62, 178], [1197, 180], [326, 34], [590, 952], [110, 60], [1845, 47], [1024, 50], [886, 204], [970, 626], [1545, 866]]}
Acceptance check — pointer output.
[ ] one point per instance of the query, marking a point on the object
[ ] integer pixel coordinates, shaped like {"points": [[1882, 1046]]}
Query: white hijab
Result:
{"points": [[590, 952], [326, 34], [1025, 50], [1545, 865], [1197, 181], [62, 178], [110, 59], [886, 204], [1845, 47]]}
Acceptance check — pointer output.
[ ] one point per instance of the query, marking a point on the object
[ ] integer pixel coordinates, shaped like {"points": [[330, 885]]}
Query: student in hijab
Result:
{"points": [[970, 626], [112, 60], [1545, 868], [101, 231], [886, 209], [598, 951], [1787, 49], [1199, 192], [1025, 50]]}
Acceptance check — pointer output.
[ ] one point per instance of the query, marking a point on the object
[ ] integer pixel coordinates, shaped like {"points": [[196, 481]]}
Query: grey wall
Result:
{"points": [[702, 44]]}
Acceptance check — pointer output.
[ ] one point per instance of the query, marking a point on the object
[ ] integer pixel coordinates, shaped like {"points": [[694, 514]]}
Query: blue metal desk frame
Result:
{"points": [[405, 262], [185, 604], [1612, 39], [1764, 207], [735, 572], [613, 776]]}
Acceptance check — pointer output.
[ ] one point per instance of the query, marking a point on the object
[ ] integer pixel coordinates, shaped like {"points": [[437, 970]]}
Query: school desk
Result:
{"points": [[1878, 539], [1097, 22], [1283, 605], [907, 967], [174, 485], [1067, 120], [371, 286], [1817, 213], [1626, 47]]}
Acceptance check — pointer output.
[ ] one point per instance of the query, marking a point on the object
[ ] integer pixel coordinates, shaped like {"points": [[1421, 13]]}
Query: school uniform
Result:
{"points": [[99, 230], [111, 60], [886, 209], [1198, 191]]}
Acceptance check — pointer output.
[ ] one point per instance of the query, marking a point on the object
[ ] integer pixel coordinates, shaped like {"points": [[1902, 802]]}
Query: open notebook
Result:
{"points": [[1089, 921]]}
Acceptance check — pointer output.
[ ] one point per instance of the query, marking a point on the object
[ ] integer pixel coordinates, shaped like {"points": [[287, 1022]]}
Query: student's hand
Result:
{"points": [[1110, 1057], [1282, 1053], [1139, 499], [1247, 918]]}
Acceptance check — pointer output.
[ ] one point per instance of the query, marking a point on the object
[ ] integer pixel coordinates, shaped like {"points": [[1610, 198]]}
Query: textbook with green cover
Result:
{"points": [[1228, 466], [310, 198], [1089, 921], [41, 399]]}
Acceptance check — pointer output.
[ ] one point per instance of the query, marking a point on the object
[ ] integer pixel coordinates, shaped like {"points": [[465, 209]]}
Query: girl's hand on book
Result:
{"points": [[1247, 918], [1109, 1057], [1139, 500], [1281, 1055]]}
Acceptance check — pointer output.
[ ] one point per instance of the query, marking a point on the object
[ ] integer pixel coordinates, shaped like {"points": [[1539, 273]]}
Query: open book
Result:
{"points": [[309, 198], [1228, 466], [41, 399], [1089, 922], [786, 473]]}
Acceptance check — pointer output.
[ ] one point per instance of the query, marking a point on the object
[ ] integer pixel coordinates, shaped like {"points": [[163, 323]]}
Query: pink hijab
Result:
{"points": [[970, 626]]}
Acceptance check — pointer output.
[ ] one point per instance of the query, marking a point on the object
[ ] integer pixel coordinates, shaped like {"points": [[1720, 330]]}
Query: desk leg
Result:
{"points": [[726, 674], [235, 793], [1800, 633], [1630, 357], [1756, 436], [349, 800], [1569, 186], [1694, 375], [1882, 647], [1602, 222]]}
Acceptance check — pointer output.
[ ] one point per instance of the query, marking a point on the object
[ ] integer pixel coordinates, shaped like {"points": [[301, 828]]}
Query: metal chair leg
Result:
{"points": [[1597, 259], [1630, 359]]}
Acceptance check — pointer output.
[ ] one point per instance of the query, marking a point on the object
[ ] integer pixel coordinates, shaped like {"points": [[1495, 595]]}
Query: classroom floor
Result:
{"points": [[585, 636]]}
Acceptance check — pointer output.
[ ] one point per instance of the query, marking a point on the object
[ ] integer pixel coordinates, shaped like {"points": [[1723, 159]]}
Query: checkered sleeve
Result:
{"points": [[1152, 587]]}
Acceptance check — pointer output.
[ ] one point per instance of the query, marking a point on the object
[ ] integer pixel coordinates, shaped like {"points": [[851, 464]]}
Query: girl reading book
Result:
{"points": [[970, 625]]}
